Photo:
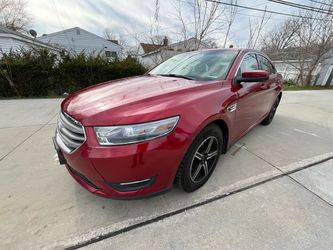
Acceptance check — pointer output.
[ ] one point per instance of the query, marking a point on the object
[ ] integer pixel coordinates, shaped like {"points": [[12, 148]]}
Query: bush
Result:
{"points": [[42, 73], [289, 82]]}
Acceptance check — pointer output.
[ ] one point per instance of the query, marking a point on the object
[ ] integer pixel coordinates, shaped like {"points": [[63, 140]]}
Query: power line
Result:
{"points": [[178, 25], [273, 18], [302, 6], [314, 1], [267, 11], [148, 31], [238, 13]]}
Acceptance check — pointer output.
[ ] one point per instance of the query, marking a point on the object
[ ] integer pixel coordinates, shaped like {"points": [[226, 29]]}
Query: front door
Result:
{"points": [[272, 83], [251, 96]]}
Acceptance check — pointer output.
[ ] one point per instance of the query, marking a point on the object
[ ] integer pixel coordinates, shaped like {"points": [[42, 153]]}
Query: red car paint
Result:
{"points": [[149, 98]]}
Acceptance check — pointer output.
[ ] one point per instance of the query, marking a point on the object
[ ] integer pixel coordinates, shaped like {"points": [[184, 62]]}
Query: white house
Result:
{"points": [[325, 76], [77, 40], [11, 41], [153, 54], [289, 69], [288, 64]]}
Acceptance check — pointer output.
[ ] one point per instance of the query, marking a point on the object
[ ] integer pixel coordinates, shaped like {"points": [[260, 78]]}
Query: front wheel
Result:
{"points": [[271, 114], [200, 159]]}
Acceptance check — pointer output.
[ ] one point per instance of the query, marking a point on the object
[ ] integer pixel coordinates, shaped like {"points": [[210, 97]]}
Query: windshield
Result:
{"points": [[204, 65]]}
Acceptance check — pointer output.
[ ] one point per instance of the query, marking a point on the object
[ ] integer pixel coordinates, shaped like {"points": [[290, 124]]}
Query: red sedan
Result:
{"points": [[136, 137]]}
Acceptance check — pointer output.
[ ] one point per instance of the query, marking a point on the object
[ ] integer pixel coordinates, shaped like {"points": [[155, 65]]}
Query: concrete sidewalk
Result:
{"points": [[41, 206], [280, 214]]}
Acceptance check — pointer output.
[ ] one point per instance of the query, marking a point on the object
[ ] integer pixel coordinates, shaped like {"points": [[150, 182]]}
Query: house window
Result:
{"points": [[107, 53], [110, 53]]}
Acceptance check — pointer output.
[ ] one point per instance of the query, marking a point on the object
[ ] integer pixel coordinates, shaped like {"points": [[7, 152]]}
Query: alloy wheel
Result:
{"points": [[204, 159]]}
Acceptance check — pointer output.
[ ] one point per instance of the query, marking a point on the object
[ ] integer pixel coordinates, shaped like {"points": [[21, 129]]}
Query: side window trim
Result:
{"points": [[258, 62], [273, 67], [241, 61], [269, 61], [257, 55]]}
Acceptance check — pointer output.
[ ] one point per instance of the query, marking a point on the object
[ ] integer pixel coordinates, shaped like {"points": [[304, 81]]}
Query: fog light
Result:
{"points": [[132, 185]]}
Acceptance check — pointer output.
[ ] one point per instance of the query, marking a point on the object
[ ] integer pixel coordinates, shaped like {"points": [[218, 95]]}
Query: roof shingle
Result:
{"points": [[147, 47]]}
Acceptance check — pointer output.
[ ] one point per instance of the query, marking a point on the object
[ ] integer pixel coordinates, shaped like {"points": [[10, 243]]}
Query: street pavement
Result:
{"points": [[272, 190]]}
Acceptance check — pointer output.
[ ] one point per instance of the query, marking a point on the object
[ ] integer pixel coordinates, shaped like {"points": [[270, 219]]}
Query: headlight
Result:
{"points": [[126, 134]]}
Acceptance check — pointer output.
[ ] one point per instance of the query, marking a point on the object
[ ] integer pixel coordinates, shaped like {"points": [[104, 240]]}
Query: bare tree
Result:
{"points": [[6, 72], [210, 43], [117, 38], [13, 15], [154, 39], [256, 28], [281, 37], [302, 43], [201, 21], [230, 20]]}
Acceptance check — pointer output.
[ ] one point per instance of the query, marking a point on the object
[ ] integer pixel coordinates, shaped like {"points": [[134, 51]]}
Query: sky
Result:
{"points": [[127, 19]]}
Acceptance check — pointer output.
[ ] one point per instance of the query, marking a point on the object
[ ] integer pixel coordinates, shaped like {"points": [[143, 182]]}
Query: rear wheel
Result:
{"points": [[201, 159], [271, 114]]}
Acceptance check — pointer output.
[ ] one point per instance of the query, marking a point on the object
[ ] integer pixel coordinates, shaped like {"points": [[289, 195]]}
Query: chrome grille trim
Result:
{"points": [[71, 123], [69, 133]]}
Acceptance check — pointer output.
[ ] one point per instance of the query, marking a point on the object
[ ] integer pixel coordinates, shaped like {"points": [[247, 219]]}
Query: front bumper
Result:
{"points": [[126, 171]]}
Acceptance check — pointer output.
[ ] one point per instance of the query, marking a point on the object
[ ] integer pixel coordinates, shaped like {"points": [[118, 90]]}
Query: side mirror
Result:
{"points": [[253, 76]]}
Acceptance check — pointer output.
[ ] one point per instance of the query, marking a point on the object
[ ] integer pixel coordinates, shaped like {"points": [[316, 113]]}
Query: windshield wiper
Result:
{"points": [[175, 75]]}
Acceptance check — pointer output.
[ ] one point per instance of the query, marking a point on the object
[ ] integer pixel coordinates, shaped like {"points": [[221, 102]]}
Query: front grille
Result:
{"points": [[70, 132]]}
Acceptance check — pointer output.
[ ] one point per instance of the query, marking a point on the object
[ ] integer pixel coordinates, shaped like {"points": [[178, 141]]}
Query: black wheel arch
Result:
{"points": [[225, 131]]}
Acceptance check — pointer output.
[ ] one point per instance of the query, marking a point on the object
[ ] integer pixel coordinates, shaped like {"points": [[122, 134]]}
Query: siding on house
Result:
{"points": [[286, 61], [289, 70], [325, 77], [6, 44], [164, 52], [77, 40], [11, 41]]}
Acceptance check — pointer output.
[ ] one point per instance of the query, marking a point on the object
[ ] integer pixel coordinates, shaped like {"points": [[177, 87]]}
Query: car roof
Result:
{"points": [[233, 49]]}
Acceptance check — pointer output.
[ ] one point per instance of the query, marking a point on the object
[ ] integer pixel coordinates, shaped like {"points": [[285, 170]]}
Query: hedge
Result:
{"points": [[43, 73]]}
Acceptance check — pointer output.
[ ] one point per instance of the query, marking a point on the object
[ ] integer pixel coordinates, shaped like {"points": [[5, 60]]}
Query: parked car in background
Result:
{"points": [[137, 136]]}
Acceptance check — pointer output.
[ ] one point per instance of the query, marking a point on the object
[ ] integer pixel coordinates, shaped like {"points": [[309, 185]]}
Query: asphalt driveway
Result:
{"points": [[275, 184]]}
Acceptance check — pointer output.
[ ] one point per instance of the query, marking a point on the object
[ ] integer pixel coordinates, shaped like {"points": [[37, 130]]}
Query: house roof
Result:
{"points": [[147, 47], [155, 48], [75, 28], [6, 30], [289, 54], [13, 32], [20, 36]]}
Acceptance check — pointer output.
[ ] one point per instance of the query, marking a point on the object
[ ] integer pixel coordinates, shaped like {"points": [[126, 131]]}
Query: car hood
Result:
{"points": [[135, 99]]}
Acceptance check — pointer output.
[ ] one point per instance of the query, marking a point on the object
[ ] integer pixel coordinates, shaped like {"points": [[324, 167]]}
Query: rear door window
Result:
{"points": [[265, 64], [248, 63]]}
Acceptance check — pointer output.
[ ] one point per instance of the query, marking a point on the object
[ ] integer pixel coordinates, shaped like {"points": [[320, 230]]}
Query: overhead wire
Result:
{"points": [[266, 11], [303, 7]]}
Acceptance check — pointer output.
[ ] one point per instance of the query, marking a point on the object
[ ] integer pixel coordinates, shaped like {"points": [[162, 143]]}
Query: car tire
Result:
{"points": [[269, 118], [200, 160]]}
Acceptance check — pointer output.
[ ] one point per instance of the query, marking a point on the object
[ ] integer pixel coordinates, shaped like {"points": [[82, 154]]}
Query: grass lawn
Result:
{"points": [[295, 88]]}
